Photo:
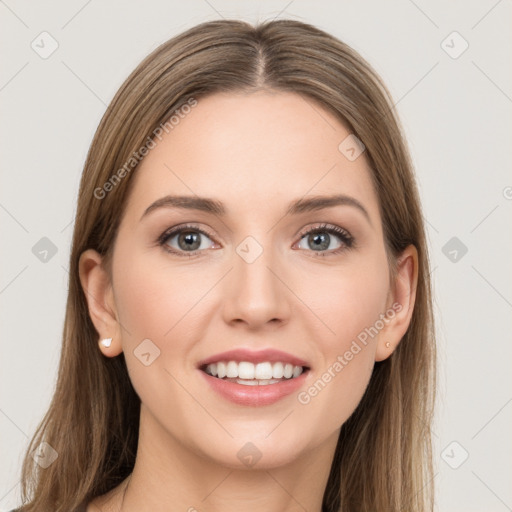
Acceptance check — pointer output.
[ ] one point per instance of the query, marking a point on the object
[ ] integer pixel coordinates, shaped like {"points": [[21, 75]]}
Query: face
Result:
{"points": [[289, 288]]}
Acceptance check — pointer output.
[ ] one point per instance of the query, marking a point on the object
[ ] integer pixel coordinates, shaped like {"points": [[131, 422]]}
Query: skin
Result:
{"points": [[255, 153]]}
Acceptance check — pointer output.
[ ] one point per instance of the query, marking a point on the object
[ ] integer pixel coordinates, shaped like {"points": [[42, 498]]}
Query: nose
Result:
{"points": [[256, 293]]}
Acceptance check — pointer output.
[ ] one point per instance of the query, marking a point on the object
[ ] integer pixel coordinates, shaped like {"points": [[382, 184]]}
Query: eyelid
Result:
{"points": [[323, 226], [182, 227]]}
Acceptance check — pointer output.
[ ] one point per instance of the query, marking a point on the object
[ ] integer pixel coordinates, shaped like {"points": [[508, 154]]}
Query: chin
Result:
{"points": [[257, 451]]}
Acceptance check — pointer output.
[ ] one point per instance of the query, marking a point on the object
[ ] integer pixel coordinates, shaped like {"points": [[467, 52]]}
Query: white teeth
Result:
{"points": [[297, 370], [252, 374], [255, 382], [246, 370], [263, 371], [251, 382], [221, 370], [278, 370], [232, 369]]}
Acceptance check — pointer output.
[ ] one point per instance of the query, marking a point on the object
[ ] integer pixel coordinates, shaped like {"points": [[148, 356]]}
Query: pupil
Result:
{"points": [[320, 240], [190, 241]]}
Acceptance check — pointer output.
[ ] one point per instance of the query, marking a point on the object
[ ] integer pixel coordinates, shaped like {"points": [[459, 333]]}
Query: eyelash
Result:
{"points": [[347, 240]]}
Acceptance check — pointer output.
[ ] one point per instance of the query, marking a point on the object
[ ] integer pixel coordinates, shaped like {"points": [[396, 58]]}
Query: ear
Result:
{"points": [[401, 306], [99, 294]]}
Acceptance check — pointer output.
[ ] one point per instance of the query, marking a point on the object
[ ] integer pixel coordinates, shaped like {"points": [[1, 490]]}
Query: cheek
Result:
{"points": [[161, 303], [154, 301], [156, 310], [347, 300], [350, 305]]}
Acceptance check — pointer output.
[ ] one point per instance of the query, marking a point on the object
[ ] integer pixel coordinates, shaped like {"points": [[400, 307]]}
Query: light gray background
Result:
{"points": [[456, 113]]}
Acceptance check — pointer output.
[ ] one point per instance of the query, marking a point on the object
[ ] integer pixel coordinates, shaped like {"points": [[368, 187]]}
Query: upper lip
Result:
{"points": [[260, 356]]}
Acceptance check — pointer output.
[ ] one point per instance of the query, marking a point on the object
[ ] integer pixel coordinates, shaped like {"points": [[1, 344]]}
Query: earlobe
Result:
{"points": [[402, 303], [97, 287]]}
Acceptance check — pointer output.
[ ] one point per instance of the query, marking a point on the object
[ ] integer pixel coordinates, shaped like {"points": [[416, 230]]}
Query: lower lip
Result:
{"points": [[255, 395]]}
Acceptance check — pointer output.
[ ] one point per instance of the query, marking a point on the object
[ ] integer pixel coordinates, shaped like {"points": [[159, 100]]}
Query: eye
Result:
{"points": [[320, 239], [189, 240], [185, 240]]}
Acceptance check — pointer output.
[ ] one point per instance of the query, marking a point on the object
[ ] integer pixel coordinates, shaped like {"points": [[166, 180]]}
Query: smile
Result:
{"points": [[250, 374]]}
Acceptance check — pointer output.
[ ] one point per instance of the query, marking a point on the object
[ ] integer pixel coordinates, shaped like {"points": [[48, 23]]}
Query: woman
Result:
{"points": [[287, 362]]}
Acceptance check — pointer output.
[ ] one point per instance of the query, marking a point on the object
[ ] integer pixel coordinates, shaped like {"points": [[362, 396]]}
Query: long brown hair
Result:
{"points": [[383, 460]]}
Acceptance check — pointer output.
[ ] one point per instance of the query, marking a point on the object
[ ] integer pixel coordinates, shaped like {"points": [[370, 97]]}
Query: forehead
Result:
{"points": [[257, 150]]}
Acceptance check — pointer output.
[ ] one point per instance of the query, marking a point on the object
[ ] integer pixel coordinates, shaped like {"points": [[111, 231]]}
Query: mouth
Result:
{"points": [[247, 373]]}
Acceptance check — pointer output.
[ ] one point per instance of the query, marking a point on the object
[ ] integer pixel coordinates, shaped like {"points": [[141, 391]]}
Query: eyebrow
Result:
{"points": [[296, 207]]}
